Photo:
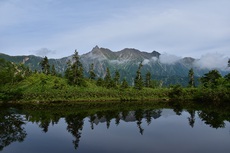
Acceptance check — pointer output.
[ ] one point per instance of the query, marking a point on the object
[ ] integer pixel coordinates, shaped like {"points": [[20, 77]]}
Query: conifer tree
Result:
{"points": [[45, 65], [53, 71], [77, 69], [68, 72], [116, 77], [191, 78], [210, 79], [107, 79], [100, 82], [148, 79], [138, 82], [92, 74], [124, 84], [74, 72]]}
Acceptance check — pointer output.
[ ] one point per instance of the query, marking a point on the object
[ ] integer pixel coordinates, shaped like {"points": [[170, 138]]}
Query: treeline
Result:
{"points": [[20, 83], [75, 75]]}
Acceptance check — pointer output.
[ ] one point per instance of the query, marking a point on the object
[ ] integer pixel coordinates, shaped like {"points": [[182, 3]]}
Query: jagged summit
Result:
{"points": [[124, 54], [156, 54]]}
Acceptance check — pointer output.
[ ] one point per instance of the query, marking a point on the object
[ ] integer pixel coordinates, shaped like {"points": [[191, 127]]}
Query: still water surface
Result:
{"points": [[159, 130]]}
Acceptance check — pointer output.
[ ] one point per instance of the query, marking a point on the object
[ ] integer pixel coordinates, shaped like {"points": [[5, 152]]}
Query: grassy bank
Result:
{"points": [[39, 88]]}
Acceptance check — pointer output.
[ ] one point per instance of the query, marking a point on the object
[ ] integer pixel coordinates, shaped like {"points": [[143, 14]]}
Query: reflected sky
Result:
{"points": [[166, 132]]}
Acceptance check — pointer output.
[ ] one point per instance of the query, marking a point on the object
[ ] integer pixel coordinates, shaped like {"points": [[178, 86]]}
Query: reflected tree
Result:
{"points": [[148, 116], [44, 124], [43, 119], [11, 129], [55, 119], [100, 114], [213, 119], [139, 117], [177, 108], [74, 126], [191, 119], [109, 115], [91, 120], [117, 119], [124, 114]]}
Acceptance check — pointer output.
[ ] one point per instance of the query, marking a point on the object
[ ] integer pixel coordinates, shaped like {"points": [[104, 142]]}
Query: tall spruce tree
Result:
{"points": [[100, 82], [148, 79], [68, 72], [124, 84], [138, 82], [45, 65], [53, 71], [210, 79], [92, 74], [191, 82], [77, 68], [117, 78], [74, 72], [107, 79]]}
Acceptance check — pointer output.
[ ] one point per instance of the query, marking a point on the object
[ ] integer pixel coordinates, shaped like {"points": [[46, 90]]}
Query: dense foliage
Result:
{"points": [[18, 83]]}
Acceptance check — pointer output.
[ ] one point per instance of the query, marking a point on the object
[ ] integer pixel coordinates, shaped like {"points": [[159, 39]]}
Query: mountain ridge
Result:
{"points": [[126, 61]]}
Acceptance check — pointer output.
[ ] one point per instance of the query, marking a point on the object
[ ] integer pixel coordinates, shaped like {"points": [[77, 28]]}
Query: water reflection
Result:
{"points": [[191, 119], [12, 130], [74, 126], [213, 119]]}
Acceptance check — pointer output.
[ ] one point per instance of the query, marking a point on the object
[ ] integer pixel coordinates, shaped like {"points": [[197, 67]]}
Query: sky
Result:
{"points": [[55, 28]]}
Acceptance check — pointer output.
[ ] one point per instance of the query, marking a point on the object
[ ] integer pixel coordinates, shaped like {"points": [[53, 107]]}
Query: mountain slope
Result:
{"points": [[33, 62], [126, 62]]}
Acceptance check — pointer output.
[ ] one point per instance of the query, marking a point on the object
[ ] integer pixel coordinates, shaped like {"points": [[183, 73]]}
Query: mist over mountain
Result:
{"points": [[170, 69]]}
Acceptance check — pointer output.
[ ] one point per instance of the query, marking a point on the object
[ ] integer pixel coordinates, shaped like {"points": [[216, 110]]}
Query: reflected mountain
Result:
{"points": [[12, 130], [126, 116]]}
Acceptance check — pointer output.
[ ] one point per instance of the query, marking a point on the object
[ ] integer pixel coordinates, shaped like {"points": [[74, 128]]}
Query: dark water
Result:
{"points": [[111, 131]]}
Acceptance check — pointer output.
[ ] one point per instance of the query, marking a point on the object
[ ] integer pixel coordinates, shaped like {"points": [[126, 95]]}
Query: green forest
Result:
{"points": [[19, 84]]}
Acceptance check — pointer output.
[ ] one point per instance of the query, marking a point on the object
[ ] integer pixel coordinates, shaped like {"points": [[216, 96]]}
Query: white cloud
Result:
{"points": [[212, 61], [154, 59], [145, 61], [118, 61], [44, 52], [148, 61], [184, 28], [168, 58]]}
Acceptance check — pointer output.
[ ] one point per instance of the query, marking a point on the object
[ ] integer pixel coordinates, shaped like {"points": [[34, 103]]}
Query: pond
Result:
{"points": [[160, 130]]}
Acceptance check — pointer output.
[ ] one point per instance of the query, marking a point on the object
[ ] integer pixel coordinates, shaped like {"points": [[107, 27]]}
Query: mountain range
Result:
{"points": [[168, 69]]}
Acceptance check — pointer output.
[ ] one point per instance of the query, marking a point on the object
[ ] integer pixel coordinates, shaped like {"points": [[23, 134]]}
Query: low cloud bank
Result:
{"points": [[169, 59], [207, 61], [148, 61], [212, 61], [44, 52]]}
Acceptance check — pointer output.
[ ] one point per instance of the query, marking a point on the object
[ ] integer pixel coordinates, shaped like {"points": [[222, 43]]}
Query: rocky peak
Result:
{"points": [[96, 49], [125, 54], [156, 54], [188, 60]]}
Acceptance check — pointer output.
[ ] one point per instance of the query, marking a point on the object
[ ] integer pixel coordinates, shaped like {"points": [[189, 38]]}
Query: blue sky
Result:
{"points": [[56, 28]]}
